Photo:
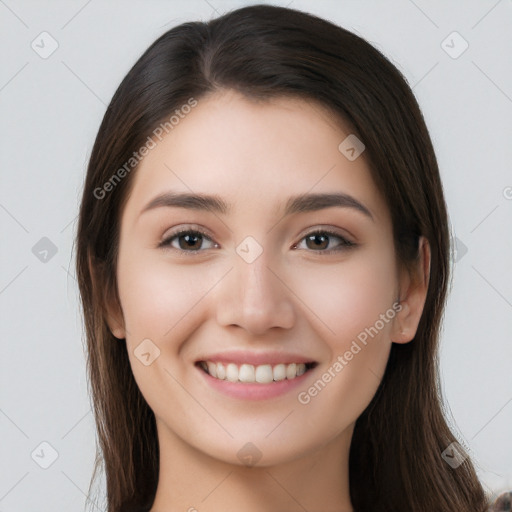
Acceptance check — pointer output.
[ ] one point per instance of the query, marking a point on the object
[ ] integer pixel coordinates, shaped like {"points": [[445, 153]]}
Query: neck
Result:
{"points": [[192, 481]]}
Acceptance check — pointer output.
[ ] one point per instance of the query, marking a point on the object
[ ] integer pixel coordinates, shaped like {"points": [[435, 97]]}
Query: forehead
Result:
{"points": [[254, 154]]}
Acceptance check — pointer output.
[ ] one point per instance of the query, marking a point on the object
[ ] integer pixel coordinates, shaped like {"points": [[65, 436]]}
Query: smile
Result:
{"points": [[248, 373]]}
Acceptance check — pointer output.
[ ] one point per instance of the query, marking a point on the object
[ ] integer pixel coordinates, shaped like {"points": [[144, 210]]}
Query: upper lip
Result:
{"points": [[256, 358]]}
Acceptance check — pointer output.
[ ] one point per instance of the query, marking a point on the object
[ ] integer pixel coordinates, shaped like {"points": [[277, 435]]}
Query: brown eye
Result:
{"points": [[190, 241], [322, 241], [187, 240], [317, 241]]}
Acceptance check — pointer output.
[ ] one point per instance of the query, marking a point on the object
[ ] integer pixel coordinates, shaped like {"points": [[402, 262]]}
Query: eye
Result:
{"points": [[192, 240], [189, 240], [321, 241]]}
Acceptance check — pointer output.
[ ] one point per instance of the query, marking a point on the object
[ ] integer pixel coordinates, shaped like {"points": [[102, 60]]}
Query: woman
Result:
{"points": [[263, 259]]}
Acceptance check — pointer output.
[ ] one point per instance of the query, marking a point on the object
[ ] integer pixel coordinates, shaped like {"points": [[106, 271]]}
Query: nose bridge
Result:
{"points": [[255, 298], [256, 280]]}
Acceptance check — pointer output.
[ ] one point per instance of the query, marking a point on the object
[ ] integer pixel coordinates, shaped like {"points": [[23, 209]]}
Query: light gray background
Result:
{"points": [[50, 112]]}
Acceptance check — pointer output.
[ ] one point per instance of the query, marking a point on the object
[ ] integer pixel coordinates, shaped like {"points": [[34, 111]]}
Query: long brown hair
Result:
{"points": [[263, 52]]}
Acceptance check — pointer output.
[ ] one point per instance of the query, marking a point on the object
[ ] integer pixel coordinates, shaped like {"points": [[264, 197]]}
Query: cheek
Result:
{"points": [[161, 302], [349, 298], [354, 303], [158, 297]]}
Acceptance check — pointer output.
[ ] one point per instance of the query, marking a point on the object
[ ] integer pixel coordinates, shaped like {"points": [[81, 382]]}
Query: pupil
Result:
{"points": [[189, 240], [318, 244]]}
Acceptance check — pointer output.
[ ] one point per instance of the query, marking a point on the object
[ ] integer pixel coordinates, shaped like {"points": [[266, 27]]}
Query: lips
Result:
{"points": [[245, 375]]}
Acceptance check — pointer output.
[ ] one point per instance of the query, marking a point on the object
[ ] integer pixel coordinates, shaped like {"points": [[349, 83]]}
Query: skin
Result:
{"points": [[291, 299]]}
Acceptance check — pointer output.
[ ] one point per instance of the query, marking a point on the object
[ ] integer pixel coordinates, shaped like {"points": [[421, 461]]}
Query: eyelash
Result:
{"points": [[344, 244]]}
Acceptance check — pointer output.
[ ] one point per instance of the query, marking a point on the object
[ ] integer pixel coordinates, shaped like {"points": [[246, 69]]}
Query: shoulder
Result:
{"points": [[503, 503]]}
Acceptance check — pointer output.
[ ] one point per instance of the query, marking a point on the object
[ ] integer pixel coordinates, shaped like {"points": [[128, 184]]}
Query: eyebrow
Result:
{"points": [[295, 204]]}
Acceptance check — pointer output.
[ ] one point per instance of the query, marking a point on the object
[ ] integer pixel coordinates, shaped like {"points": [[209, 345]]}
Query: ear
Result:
{"points": [[413, 292], [104, 293]]}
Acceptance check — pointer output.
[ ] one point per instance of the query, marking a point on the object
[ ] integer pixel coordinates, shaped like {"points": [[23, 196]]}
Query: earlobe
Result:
{"points": [[401, 331], [114, 317], [118, 333], [408, 318]]}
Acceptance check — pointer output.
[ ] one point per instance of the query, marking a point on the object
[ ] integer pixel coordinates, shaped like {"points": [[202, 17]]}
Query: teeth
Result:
{"points": [[279, 372], [291, 371], [221, 372], [246, 373], [212, 369], [263, 374]]}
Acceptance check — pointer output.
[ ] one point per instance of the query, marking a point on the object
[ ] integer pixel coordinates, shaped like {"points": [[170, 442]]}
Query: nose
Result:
{"points": [[255, 297]]}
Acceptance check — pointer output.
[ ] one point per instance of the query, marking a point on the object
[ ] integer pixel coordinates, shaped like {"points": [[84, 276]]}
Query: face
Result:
{"points": [[290, 305]]}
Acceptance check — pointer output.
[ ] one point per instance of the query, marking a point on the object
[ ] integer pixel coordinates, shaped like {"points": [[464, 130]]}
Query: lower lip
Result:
{"points": [[254, 391]]}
